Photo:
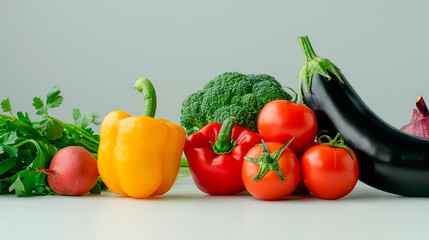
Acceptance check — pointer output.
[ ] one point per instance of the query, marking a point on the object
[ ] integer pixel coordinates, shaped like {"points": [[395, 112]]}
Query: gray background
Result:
{"points": [[95, 50]]}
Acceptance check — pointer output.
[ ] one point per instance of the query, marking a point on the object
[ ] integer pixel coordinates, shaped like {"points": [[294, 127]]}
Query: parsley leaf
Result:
{"points": [[24, 118], [40, 107], [52, 129], [12, 151], [7, 164], [54, 99], [18, 186], [5, 105], [9, 138], [85, 119], [77, 117], [6, 140]]}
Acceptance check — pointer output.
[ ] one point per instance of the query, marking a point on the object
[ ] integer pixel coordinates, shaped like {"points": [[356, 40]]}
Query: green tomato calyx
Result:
{"points": [[268, 161]]}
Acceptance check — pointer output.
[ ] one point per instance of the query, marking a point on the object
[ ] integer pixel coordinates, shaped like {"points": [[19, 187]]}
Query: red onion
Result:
{"points": [[419, 125]]}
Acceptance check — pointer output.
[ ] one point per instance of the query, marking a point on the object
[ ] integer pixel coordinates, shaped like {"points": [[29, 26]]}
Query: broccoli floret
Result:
{"points": [[225, 79], [256, 78], [251, 102], [231, 94], [213, 99], [243, 116], [241, 88], [267, 91], [191, 117]]}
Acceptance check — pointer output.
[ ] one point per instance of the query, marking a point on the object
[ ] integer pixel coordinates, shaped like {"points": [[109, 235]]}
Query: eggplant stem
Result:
{"points": [[315, 65]]}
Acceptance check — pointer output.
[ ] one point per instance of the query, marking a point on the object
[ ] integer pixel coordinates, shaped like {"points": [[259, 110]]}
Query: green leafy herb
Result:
{"points": [[18, 187], [99, 186], [6, 144], [27, 145], [85, 119], [54, 99], [52, 129], [40, 107], [5, 105]]}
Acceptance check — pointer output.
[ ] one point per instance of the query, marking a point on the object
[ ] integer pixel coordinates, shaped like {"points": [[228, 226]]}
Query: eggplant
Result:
{"points": [[389, 159]]}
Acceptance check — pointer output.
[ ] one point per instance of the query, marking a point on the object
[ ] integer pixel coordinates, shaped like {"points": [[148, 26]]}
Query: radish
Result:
{"points": [[73, 171]]}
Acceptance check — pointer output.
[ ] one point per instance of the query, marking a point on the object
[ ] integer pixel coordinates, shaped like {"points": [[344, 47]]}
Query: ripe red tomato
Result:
{"points": [[270, 186], [329, 172], [280, 121]]}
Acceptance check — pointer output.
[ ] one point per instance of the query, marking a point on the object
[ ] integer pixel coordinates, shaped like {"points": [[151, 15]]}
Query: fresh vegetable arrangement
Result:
{"points": [[389, 159], [227, 159], [26, 145], [139, 156], [239, 132]]}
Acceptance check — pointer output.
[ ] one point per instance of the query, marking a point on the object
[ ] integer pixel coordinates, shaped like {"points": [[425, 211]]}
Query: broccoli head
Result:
{"points": [[230, 94], [243, 116]]}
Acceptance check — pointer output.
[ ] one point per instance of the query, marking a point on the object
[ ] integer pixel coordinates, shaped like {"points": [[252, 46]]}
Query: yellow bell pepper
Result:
{"points": [[139, 156]]}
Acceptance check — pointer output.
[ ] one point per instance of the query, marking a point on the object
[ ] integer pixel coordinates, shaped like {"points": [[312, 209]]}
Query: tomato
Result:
{"points": [[329, 172], [280, 121], [270, 186]]}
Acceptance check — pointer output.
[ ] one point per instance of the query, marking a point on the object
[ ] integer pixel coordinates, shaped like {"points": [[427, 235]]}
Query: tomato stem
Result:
{"points": [[337, 142], [295, 95]]}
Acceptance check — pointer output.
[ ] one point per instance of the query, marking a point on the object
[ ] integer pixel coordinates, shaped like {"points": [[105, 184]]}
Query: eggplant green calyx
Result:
{"points": [[268, 161], [337, 142], [315, 64], [144, 86], [225, 144]]}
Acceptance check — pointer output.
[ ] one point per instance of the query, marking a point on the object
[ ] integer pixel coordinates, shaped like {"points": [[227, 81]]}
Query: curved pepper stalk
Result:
{"points": [[225, 144], [144, 86]]}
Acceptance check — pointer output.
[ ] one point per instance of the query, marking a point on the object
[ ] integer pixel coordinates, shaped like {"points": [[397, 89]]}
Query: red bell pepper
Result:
{"points": [[215, 156]]}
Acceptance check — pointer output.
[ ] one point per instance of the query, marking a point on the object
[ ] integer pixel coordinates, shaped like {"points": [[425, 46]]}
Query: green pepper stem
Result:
{"points": [[144, 86], [225, 144]]}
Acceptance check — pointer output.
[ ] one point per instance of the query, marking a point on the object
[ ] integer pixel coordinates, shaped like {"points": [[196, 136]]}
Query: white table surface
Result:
{"points": [[186, 213]]}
